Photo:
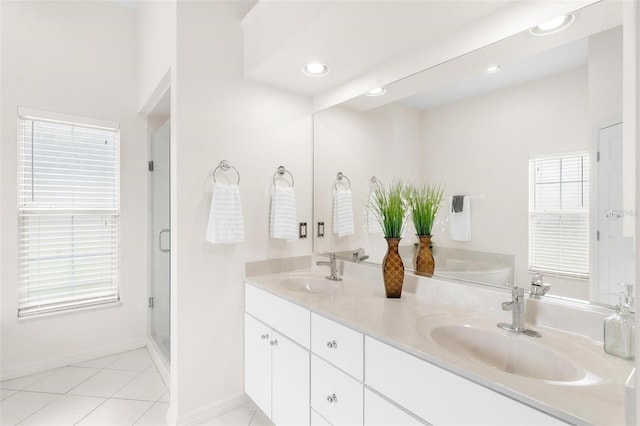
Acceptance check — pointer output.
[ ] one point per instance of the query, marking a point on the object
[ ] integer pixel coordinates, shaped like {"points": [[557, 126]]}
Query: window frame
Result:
{"points": [[48, 210]]}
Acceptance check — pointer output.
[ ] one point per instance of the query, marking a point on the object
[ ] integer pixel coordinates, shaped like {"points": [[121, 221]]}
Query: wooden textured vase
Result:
{"points": [[425, 265], [392, 269]]}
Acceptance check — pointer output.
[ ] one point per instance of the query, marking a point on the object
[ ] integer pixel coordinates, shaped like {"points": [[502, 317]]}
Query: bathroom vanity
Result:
{"points": [[322, 352]]}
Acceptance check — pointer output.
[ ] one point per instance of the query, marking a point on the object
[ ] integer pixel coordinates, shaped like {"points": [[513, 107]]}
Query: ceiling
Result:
{"points": [[352, 37]]}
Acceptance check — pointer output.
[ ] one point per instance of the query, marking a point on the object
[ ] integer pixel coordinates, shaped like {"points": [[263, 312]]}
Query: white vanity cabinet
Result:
{"points": [[439, 396], [276, 368], [380, 412]]}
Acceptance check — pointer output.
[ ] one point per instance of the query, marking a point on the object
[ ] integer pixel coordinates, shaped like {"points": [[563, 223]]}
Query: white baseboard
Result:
{"points": [[158, 359], [48, 364], [211, 410]]}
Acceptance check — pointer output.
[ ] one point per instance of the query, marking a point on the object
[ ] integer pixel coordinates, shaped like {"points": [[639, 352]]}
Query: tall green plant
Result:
{"points": [[424, 201], [390, 209]]}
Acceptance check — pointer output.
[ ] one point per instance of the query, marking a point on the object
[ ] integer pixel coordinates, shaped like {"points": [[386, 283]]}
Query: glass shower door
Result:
{"points": [[160, 297]]}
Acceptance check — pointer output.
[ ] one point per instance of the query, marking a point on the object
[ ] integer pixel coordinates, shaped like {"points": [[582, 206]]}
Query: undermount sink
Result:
{"points": [[514, 354], [310, 285]]}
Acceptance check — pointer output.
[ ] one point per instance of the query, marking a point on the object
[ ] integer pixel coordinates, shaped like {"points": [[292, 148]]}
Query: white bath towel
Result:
{"points": [[460, 223], [284, 218], [343, 223], [373, 226], [226, 225]]}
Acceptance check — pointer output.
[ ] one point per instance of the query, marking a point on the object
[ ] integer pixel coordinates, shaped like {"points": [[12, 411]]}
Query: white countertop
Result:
{"points": [[598, 399]]}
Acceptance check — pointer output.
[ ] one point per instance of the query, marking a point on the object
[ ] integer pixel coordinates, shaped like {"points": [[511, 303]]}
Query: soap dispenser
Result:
{"points": [[620, 329]]}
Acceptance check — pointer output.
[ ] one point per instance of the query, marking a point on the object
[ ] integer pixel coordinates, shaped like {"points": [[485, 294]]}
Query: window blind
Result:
{"points": [[559, 215], [68, 208]]}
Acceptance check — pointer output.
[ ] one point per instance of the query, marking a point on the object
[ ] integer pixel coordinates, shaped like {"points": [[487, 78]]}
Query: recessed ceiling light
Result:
{"points": [[553, 26], [315, 69], [493, 69], [376, 92]]}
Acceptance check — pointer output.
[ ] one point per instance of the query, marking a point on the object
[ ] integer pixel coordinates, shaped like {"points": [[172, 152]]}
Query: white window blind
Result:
{"points": [[69, 207], [559, 215]]}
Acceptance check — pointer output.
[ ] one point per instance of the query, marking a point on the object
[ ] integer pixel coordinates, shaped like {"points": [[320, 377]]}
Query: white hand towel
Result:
{"points": [[460, 223], [373, 226], [226, 224], [343, 223], [284, 218]]}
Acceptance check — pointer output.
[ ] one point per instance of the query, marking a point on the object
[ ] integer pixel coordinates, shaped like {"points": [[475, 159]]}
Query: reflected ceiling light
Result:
{"points": [[493, 69], [376, 92], [315, 69], [553, 26]]}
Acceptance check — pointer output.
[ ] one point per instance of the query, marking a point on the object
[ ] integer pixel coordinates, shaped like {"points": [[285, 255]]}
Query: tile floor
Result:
{"points": [[119, 390]]}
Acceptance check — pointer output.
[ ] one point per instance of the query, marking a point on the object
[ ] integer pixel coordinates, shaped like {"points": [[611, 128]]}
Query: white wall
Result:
{"points": [[76, 58], [482, 145], [218, 115], [156, 45], [384, 142]]}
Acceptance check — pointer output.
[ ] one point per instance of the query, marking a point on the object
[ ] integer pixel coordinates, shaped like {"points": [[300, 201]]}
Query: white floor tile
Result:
{"points": [[66, 410], [148, 386], [260, 419], [22, 405], [22, 382], [116, 412], [138, 360], [6, 393], [165, 398], [104, 384], [156, 416], [62, 380], [248, 406], [103, 362]]}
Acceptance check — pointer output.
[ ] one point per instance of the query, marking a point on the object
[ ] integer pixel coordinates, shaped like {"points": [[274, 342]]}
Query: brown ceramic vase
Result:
{"points": [[425, 265], [392, 270]]}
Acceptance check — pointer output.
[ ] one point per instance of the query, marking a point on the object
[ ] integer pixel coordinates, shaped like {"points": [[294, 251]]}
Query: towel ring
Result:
{"points": [[280, 173], [340, 177], [375, 181], [225, 166]]}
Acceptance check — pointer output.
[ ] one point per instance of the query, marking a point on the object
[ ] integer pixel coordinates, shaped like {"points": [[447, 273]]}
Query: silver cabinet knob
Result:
{"points": [[274, 342], [264, 336], [332, 398], [332, 344]]}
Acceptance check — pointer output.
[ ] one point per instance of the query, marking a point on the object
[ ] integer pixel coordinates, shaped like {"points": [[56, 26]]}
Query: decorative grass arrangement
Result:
{"points": [[424, 201], [390, 209]]}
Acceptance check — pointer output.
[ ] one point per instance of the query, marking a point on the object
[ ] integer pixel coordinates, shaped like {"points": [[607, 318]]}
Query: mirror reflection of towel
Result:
{"points": [[456, 203], [460, 222], [343, 224]]}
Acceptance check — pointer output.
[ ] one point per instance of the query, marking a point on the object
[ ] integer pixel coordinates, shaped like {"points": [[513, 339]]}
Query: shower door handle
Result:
{"points": [[163, 231]]}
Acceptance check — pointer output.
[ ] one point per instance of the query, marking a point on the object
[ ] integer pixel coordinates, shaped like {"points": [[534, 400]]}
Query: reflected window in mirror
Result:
{"points": [[559, 215]]}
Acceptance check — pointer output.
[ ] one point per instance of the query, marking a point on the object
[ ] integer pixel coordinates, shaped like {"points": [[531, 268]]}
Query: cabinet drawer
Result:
{"points": [[334, 395], [288, 318], [441, 397], [339, 345]]}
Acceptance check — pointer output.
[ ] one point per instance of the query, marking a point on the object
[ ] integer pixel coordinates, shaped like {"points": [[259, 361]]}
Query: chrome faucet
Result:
{"points": [[359, 256], [332, 265], [517, 307], [538, 287]]}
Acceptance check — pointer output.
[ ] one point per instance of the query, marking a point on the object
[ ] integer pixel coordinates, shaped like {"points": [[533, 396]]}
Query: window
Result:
{"points": [[559, 214], [68, 212]]}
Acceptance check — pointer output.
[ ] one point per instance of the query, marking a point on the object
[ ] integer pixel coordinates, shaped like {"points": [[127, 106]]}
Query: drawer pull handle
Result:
{"points": [[264, 336], [332, 398], [332, 345], [274, 342]]}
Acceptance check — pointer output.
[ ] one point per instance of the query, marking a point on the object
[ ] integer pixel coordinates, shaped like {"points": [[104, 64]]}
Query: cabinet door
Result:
{"points": [[380, 412], [335, 395], [290, 382], [257, 363]]}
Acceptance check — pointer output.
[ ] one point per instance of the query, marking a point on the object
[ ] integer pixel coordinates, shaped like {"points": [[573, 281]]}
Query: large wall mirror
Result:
{"points": [[536, 148]]}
